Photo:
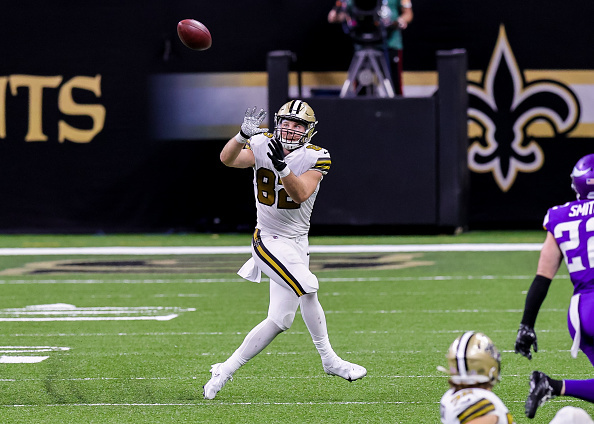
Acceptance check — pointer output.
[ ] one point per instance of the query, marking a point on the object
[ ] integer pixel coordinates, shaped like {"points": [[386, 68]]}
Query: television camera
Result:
{"points": [[368, 74]]}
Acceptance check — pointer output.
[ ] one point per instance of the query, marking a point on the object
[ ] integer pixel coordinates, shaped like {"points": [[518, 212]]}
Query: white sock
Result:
{"points": [[315, 320], [256, 340]]}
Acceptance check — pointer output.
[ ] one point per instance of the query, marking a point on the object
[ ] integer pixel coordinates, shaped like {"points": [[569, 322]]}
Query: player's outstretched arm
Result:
{"points": [[235, 156]]}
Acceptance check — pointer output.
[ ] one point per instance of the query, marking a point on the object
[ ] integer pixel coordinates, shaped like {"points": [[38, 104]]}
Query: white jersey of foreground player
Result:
{"points": [[465, 405], [468, 404]]}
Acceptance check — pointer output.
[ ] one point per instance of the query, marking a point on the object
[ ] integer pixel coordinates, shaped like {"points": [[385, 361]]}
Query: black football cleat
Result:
{"points": [[540, 391]]}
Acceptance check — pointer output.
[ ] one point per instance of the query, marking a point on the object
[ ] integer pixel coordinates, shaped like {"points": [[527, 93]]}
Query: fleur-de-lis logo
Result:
{"points": [[504, 106]]}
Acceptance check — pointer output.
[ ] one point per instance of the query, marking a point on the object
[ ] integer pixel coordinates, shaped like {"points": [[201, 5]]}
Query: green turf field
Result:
{"points": [[130, 338]]}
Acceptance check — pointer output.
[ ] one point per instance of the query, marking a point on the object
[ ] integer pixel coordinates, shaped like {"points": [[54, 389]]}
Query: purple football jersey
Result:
{"points": [[572, 225]]}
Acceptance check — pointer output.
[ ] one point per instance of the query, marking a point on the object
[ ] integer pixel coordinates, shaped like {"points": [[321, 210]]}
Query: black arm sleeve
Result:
{"points": [[536, 295]]}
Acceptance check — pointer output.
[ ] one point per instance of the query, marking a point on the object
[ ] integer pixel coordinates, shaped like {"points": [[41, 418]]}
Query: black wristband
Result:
{"points": [[536, 295], [244, 135]]}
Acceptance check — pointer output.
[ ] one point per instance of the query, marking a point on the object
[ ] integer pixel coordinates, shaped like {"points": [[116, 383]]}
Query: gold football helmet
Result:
{"points": [[298, 111], [473, 359]]}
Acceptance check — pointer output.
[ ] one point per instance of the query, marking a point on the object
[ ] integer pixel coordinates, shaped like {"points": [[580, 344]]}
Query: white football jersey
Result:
{"points": [[277, 213], [465, 405]]}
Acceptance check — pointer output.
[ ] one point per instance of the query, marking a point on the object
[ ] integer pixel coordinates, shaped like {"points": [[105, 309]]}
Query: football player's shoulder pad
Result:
{"points": [[315, 150]]}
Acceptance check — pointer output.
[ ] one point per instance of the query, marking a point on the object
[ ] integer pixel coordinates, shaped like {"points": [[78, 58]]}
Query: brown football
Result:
{"points": [[194, 34]]}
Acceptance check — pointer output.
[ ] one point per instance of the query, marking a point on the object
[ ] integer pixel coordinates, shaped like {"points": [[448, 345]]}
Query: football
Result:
{"points": [[194, 34]]}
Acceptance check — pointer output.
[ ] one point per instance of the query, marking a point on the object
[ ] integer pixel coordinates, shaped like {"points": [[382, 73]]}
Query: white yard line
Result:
{"points": [[201, 404], [215, 250], [237, 280], [239, 333]]}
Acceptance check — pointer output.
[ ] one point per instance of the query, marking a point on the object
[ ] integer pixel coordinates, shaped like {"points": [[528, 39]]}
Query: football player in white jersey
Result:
{"points": [[474, 368], [288, 170]]}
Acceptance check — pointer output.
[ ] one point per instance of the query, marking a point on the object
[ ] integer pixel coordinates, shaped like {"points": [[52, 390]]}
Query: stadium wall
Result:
{"points": [[109, 124]]}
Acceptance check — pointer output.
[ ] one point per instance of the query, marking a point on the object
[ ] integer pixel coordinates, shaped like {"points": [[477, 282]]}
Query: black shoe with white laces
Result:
{"points": [[541, 390]]}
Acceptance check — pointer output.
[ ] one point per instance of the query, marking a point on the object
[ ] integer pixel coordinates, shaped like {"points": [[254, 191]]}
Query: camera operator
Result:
{"points": [[395, 16]]}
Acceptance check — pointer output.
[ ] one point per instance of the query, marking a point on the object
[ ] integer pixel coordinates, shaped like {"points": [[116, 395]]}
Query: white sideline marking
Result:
{"points": [[216, 250]]}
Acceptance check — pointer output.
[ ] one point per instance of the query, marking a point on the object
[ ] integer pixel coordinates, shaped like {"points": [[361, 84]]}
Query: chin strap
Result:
{"points": [[290, 146]]}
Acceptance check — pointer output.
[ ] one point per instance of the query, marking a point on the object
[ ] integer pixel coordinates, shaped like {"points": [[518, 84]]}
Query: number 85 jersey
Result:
{"points": [[277, 213], [572, 225]]}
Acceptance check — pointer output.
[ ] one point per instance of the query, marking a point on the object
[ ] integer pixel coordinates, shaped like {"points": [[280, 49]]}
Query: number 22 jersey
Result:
{"points": [[572, 225]]}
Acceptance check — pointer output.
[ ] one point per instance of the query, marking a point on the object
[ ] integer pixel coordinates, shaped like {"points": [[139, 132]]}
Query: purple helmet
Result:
{"points": [[582, 178]]}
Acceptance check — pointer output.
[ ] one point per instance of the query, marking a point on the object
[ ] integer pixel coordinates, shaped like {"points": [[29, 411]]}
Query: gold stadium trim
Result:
{"points": [[421, 78]]}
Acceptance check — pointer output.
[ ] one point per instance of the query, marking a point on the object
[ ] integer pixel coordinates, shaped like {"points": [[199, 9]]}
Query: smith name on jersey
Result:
{"points": [[465, 405], [277, 213], [572, 225]]}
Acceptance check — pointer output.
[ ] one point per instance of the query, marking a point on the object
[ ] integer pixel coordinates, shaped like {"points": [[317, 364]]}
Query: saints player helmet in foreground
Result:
{"points": [[474, 368], [473, 359], [297, 111]]}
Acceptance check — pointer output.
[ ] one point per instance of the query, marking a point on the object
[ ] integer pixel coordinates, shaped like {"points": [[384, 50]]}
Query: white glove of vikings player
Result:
{"points": [[251, 125]]}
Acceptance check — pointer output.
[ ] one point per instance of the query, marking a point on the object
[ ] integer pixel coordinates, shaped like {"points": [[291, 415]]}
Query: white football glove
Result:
{"points": [[251, 125]]}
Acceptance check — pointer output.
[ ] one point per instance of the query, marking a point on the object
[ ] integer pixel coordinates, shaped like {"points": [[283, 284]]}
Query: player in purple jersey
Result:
{"points": [[570, 236]]}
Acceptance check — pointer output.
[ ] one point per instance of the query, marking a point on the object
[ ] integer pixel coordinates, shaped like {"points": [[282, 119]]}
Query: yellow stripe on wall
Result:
{"points": [[578, 76], [422, 78]]}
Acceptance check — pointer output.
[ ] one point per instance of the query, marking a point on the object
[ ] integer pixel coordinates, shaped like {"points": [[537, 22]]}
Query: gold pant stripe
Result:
{"points": [[276, 265]]}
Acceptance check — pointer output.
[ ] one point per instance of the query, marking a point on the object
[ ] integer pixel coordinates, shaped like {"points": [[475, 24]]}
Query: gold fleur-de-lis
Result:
{"points": [[504, 107]]}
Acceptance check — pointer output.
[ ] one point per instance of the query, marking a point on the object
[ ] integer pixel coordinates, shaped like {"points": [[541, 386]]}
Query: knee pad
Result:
{"points": [[283, 313], [311, 284]]}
